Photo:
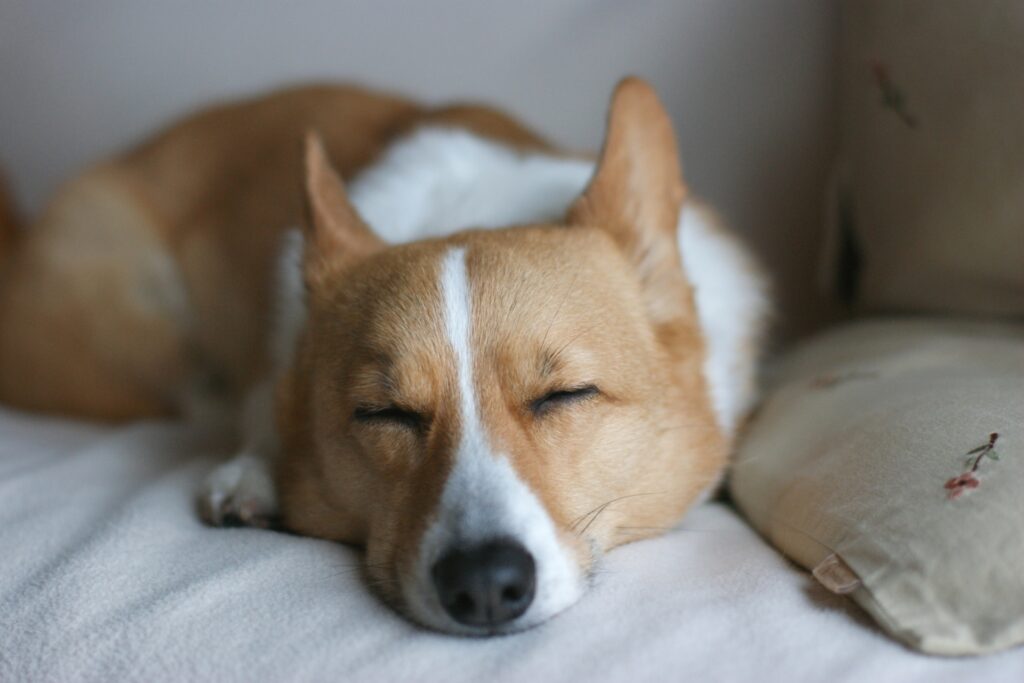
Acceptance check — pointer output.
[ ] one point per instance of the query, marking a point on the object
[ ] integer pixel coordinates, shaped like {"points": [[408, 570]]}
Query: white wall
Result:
{"points": [[749, 83]]}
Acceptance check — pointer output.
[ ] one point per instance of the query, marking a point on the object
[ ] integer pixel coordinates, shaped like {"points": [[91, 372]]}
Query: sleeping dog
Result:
{"points": [[486, 360]]}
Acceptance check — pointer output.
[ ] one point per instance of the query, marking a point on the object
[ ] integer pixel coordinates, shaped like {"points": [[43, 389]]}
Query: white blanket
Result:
{"points": [[107, 574]]}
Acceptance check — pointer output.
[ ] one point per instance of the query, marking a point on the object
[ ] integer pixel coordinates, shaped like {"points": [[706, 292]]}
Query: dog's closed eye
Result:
{"points": [[559, 398], [389, 415]]}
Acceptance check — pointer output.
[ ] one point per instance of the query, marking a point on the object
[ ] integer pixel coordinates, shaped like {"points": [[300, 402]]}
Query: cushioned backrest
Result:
{"points": [[930, 210]]}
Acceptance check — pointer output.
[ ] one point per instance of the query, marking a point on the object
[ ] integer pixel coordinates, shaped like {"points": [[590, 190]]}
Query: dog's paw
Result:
{"points": [[240, 493]]}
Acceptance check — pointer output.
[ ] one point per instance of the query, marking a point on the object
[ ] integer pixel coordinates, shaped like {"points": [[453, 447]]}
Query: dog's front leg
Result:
{"points": [[241, 491]]}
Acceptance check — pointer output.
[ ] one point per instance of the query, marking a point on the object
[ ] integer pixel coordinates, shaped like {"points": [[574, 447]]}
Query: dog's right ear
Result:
{"points": [[336, 236]]}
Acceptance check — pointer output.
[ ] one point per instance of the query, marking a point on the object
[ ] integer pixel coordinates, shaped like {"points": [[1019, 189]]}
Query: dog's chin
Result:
{"points": [[411, 597], [442, 623]]}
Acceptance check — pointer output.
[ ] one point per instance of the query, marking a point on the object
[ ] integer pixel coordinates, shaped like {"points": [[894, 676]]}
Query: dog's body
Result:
{"points": [[150, 276], [506, 401]]}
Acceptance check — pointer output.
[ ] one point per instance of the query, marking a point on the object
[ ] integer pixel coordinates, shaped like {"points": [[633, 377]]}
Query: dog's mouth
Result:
{"points": [[494, 588]]}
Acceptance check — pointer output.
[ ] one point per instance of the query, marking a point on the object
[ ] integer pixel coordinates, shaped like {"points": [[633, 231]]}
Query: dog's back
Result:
{"points": [[147, 279]]}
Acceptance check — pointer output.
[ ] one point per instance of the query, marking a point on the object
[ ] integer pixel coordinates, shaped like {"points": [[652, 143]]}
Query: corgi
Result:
{"points": [[485, 360]]}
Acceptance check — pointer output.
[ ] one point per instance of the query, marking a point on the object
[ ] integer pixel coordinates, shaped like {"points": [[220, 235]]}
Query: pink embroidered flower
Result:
{"points": [[957, 485], [962, 483]]}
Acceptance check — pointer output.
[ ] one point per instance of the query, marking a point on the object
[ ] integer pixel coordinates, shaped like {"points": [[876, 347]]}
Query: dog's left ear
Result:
{"points": [[336, 235], [635, 195]]}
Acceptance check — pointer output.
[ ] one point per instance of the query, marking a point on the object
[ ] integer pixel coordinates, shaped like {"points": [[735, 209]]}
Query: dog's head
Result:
{"points": [[489, 412]]}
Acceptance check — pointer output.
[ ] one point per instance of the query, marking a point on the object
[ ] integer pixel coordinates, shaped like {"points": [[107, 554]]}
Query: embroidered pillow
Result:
{"points": [[929, 212], [889, 459]]}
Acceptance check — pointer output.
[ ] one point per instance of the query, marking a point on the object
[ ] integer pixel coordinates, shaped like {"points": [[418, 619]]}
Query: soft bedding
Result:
{"points": [[106, 574]]}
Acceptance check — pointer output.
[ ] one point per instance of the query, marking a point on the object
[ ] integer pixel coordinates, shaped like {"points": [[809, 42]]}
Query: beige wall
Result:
{"points": [[749, 83]]}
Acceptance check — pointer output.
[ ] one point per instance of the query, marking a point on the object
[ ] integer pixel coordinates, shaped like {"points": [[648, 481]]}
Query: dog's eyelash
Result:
{"points": [[389, 414], [560, 397]]}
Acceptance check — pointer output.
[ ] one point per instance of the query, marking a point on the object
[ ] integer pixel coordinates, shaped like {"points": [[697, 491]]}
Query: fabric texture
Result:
{"points": [[106, 574], [929, 213], [898, 448]]}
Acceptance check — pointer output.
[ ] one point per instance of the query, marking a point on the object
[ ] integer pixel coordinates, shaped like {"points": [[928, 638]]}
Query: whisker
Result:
{"points": [[591, 516], [596, 513]]}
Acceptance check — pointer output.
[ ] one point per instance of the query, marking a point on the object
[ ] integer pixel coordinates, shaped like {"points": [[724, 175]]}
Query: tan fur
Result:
{"points": [[151, 272], [154, 268], [601, 299]]}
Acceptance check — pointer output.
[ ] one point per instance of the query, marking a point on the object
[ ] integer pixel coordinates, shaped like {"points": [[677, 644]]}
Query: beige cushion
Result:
{"points": [[932, 173], [855, 467]]}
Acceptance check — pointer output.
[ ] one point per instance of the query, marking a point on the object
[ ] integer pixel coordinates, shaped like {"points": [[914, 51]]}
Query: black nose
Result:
{"points": [[488, 585]]}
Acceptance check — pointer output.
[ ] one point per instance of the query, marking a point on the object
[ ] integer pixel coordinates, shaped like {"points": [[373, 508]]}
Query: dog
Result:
{"points": [[485, 360]]}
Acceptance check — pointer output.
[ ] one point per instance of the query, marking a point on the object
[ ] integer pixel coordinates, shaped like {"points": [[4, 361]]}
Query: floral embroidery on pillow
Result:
{"points": [[962, 483]]}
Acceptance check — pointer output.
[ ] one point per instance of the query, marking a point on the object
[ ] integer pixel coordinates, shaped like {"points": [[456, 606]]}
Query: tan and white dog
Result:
{"points": [[486, 361]]}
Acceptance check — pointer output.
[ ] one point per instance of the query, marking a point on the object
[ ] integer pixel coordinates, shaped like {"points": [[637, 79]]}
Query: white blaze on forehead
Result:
{"points": [[484, 498], [458, 306]]}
